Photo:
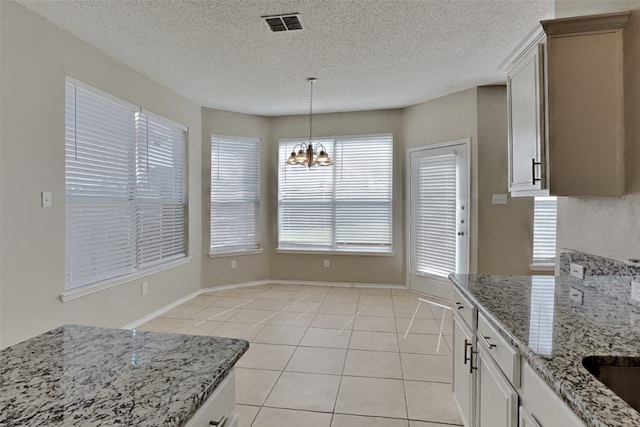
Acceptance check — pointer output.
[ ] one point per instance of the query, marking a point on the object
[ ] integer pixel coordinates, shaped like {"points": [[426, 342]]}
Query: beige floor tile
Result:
{"points": [[423, 344], [291, 319], [300, 306], [408, 310], [425, 367], [375, 291], [182, 311], [252, 316], [431, 402], [311, 392], [272, 417], [344, 290], [266, 304], [246, 414], [329, 338], [375, 300], [266, 356], [217, 314], [378, 364], [274, 334], [287, 287], [375, 324], [333, 321], [282, 295], [423, 326], [310, 296], [380, 341], [376, 310], [249, 292], [160, 324], [438, 312], [245, 331], [232, 302], [199, 327], [221, 292], [254, 385], [371, 396], [334, 298], [423, 424], [340, 420], [317, 360], [338, 308], [403, 293], [205, 300]]}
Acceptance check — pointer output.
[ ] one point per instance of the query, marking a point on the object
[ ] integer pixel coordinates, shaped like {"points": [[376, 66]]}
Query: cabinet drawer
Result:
{"points": [[505, 356], [464, 308], [543, 404], [220, 404]]}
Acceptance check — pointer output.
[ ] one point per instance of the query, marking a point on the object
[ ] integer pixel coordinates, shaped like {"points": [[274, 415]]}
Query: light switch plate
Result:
{"points": [[234, 264], [47, 199], [327, 263], [499, 199], [577, 271]]}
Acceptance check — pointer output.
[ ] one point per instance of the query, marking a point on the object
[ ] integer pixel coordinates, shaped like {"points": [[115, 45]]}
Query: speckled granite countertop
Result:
{"points": [[87, 376], [554, 334]]}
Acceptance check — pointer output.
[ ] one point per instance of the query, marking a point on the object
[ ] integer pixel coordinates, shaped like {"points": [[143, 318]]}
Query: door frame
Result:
{"points": [[408, 192]]}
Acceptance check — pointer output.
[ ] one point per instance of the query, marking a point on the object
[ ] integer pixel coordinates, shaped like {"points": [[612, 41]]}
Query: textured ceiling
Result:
{"points": [[367, 54]]}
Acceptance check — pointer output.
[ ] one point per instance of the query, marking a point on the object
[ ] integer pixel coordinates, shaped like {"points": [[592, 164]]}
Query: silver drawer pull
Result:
{"points": [[220, 423], [486, 342], [458, 305]]}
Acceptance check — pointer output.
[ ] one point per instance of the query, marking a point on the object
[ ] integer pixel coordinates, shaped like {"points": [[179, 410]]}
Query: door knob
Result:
{"points": [[460, 233]]}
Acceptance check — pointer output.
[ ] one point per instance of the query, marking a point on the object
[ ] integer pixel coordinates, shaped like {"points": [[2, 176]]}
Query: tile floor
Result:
{"points": [[330, 356]]}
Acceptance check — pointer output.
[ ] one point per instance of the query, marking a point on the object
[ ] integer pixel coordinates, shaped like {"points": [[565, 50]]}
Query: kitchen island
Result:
{"points": [[555, 322], [88, 376]]}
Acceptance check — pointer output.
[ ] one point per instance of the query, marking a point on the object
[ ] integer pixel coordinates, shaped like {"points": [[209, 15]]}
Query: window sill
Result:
{"points": [[111, 283], [235, 253], [543, 267], [321, 252]]}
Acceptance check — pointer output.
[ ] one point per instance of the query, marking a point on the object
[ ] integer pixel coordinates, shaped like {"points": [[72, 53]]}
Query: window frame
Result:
{"points": [[334, 248], [71, 292], [228, 251]]}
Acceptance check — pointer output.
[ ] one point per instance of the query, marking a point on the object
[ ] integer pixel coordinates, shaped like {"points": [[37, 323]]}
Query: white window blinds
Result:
{"points": [[347, 206], [235, 194], [124, 189], [435, 220], [544, 230]]}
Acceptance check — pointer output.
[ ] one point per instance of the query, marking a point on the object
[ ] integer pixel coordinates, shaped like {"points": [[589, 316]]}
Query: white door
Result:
{"points": [[438, 209]]}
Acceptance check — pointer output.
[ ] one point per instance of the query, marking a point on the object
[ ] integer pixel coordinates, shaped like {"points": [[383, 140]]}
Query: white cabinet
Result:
{"points": [[464, 374], [526, 419], [566, 109], [497, 400], [219, 409]]}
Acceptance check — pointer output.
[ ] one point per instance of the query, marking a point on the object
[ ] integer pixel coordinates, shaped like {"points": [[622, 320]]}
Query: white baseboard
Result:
{"points": [[182, 300]]}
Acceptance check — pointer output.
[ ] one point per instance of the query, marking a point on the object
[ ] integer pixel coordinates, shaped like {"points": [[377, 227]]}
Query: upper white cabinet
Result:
{"points": [[566, 109]]}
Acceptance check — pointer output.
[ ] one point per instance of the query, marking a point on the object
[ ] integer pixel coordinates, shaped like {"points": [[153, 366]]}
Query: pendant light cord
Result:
{"points": [[310, 115]]}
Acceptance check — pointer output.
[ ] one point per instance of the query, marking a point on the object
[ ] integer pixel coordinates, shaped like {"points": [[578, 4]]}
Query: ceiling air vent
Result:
{"points": [[286, 22]]}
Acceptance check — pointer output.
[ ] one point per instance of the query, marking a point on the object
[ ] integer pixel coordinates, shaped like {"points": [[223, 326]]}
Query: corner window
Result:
{"points": [[235, 194], [125, 199], [345, 207], [544, 231]]}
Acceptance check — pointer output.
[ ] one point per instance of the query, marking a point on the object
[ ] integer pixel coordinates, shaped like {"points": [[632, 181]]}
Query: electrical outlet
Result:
{"points": [[577, 271], [327, 263], [576, 295], [145, 288], [635, 291], [234, 264]]}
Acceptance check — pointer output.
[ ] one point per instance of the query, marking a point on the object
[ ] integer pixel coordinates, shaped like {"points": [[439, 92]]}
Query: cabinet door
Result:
{"points": [[463, 375], [526, 419], [525, 89], [497, 400]]}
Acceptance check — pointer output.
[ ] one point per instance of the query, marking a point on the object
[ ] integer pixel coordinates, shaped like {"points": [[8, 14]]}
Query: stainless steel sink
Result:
{"points": [[620, 374]]}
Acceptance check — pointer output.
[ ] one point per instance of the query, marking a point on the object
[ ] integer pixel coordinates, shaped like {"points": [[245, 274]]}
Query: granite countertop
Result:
{"points": [[87, 376], [554, 334]]}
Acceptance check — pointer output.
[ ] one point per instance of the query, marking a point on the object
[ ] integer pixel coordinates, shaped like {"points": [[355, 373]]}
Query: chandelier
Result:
{"points": [[308, 154]]}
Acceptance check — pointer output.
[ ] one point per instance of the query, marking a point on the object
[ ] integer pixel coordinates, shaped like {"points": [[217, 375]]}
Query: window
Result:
{"points": [[124, 188], [544, 231], [344, 207], [235, 194]]}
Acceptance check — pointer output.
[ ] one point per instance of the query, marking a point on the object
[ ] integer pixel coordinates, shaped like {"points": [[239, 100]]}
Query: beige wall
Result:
{"points": [[36, 56], [449, 118], [344, 268], [505, 232], [610, 226], [217, 271]]}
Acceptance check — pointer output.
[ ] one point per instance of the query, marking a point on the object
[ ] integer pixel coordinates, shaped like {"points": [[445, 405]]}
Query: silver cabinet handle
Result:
{"points": [[219, 423], [486, 342], [458, 305], [466, 345], [471, 367]]}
